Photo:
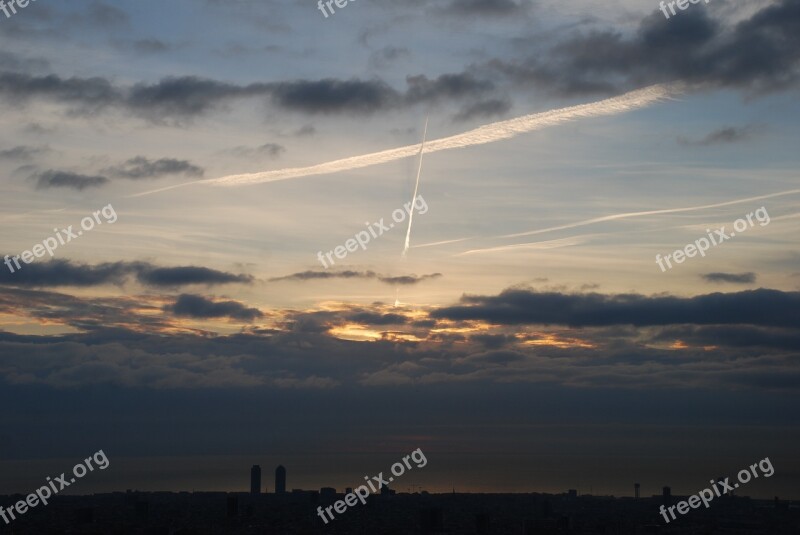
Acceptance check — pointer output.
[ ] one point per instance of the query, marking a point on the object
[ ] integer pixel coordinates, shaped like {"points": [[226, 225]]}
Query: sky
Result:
{"points": [[188, 164]]}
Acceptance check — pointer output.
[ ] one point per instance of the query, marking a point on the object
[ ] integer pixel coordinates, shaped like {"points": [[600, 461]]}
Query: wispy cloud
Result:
{"points": [[273, 150], [733, 278], [22, 152], [60, 272], [67, 179], [196, 306], [347, 274], [143, 168], [728, 134]]}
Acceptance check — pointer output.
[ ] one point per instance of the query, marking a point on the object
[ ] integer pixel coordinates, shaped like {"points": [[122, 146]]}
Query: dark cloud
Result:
{"points": [[483, 109], [181, 98], [177, 276], [184, 97], [272, 150], [372, 318], [85, 314], [196, 306], [409, 279], [492, 341], [450, 86], [303, 345], [734, 278], [314, 275], [347, 274], [60, 272], [66, 179], [497, 357], [730, 134], [734, 337], [334, 96], [140, 167], [22, 152], [760, 54], [151, 46], [520, 306], [88, 95], [65, 273]]}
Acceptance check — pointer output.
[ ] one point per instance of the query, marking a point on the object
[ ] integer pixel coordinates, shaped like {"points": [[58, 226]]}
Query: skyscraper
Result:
{"points": [[255, 479], [280, 480]]}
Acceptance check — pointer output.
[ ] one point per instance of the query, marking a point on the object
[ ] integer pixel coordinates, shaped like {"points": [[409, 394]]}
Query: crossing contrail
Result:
{"points": [[489, 133], [416, 189]]}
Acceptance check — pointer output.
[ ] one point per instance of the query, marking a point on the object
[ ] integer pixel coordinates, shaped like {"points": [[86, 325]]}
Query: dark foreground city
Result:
{"points": [[184, 513]]}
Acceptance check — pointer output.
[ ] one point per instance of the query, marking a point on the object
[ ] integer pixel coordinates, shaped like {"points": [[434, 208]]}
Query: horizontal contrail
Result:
{"points": [[613, 217], [628, 215], [548, 244], [485, 134]]}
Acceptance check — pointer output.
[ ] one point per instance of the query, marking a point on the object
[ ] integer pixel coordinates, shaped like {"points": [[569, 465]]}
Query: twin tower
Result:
{"points": [[255, 480]]}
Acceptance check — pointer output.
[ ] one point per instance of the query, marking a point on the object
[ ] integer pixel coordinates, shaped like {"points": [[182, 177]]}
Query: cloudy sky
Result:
{"points": [[527, 341]]}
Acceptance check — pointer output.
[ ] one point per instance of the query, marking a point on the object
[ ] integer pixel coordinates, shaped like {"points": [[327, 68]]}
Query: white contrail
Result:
{"points": [[627, 215], [485, 134], [613, 217], [416, 188], [548, 244]]}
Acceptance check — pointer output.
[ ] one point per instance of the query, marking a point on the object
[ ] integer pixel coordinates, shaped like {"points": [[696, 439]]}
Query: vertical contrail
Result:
{"points": [[416, 188]]}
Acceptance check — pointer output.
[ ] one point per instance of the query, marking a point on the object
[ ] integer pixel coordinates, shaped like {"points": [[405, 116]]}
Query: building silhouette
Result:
{"points": [[232, 506], [255, 479], [636, 488], [280, 480]]}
